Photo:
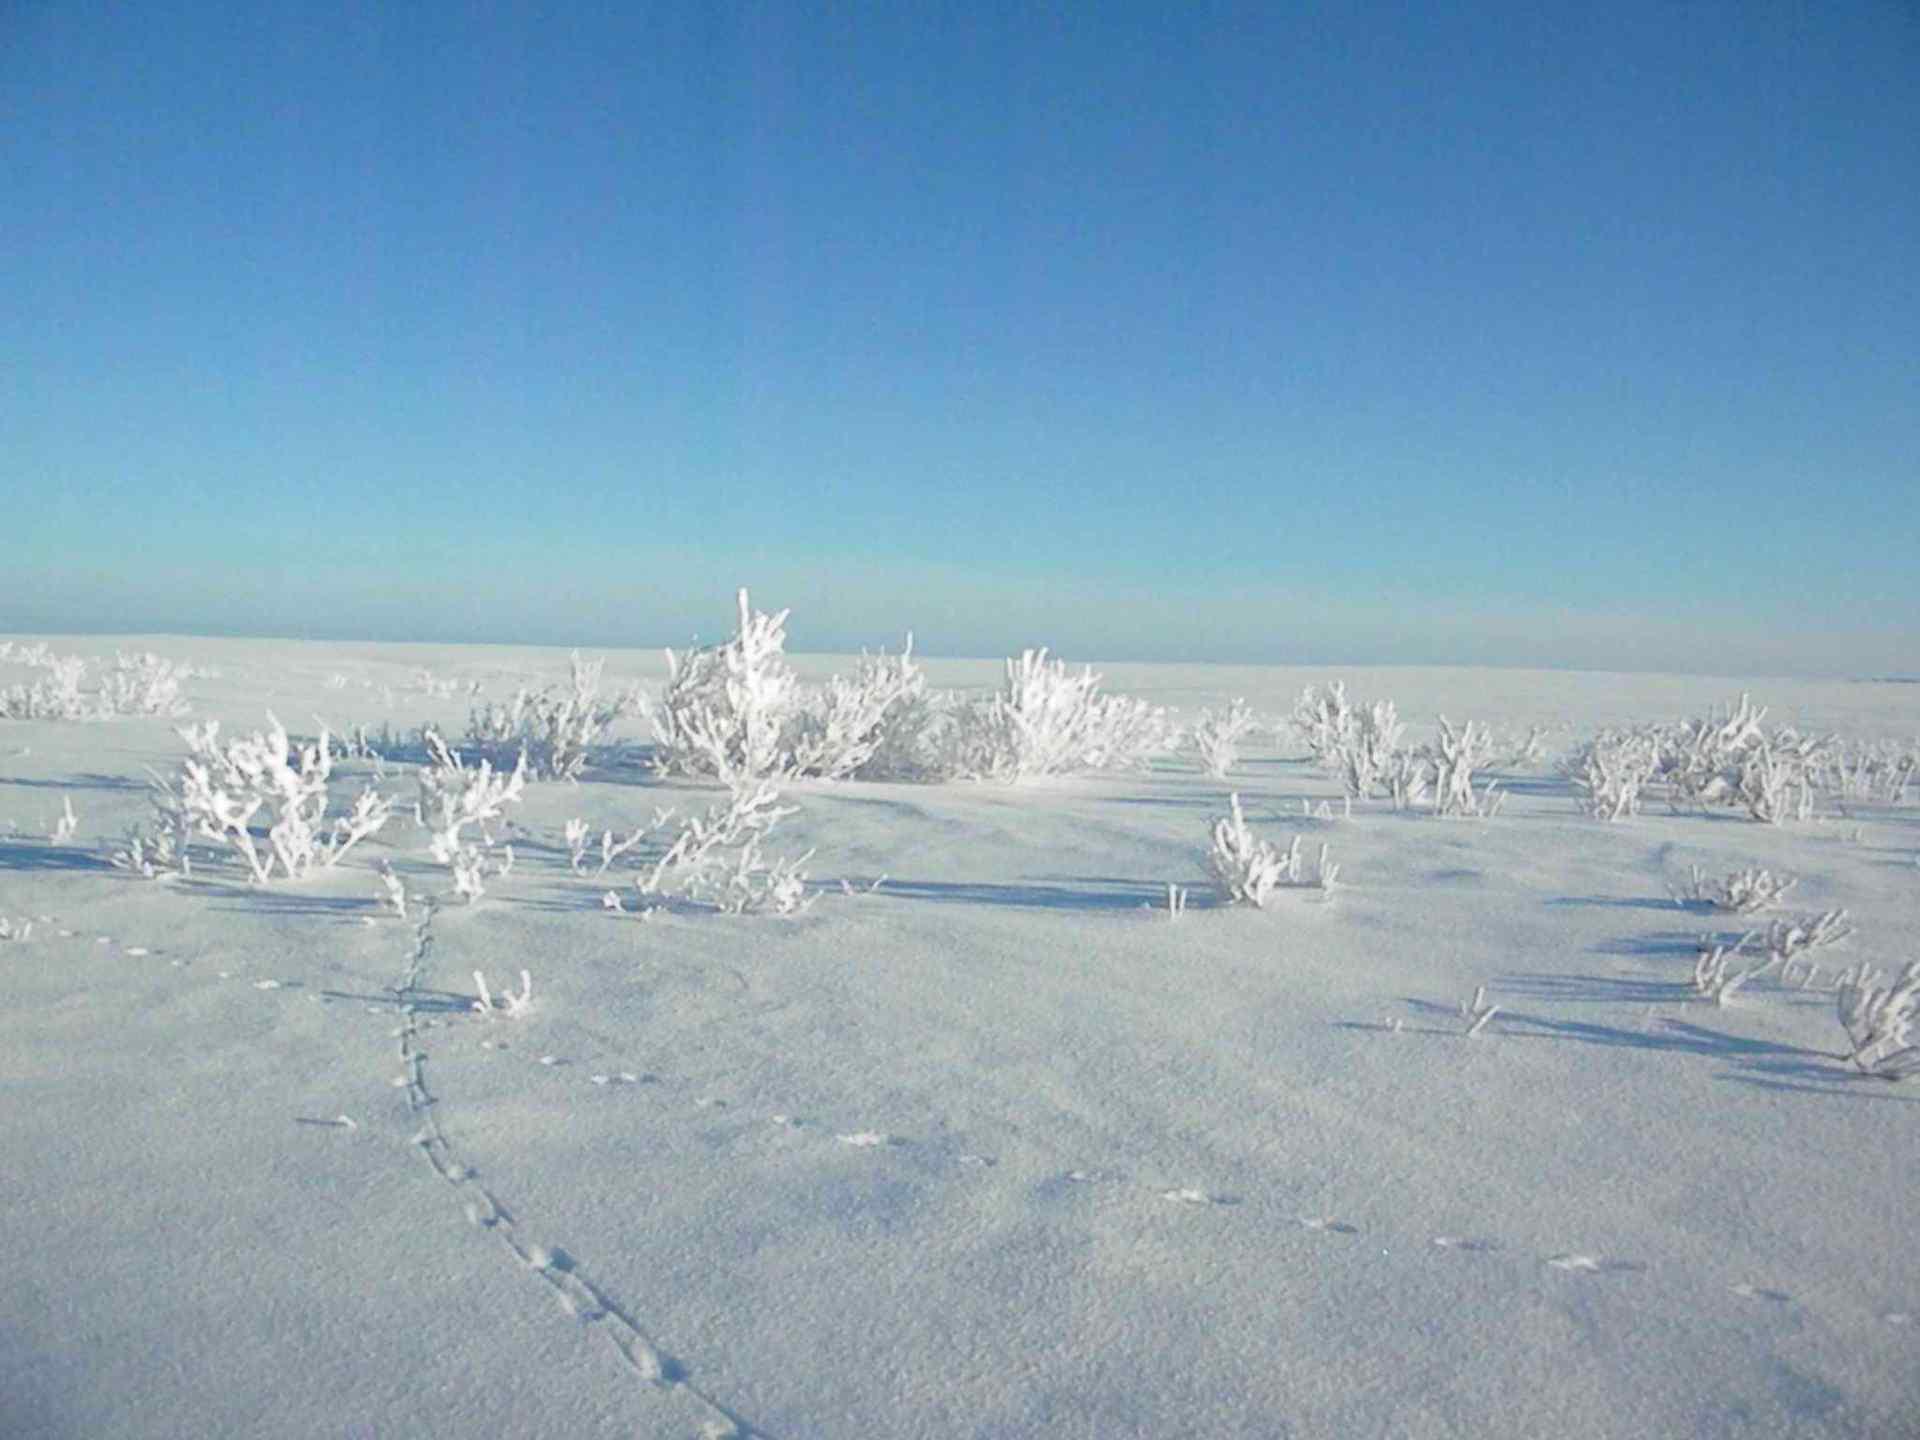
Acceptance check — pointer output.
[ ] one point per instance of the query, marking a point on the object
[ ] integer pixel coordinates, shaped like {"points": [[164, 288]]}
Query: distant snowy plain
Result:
{"points": [[997, 1149]]}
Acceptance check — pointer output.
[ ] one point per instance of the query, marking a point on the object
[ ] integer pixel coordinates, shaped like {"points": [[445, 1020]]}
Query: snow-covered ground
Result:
{"points": [[997, 1149]]}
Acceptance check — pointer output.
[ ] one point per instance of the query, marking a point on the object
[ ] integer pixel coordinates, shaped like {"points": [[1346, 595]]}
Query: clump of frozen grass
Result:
{"points": [[394, 891], [66, 824], [1609, 771], [717, 858], [1742, 891], [454, 796], [513, 1006], [558, 728], [16, 931], [224, 786], [1719, 970], [1217, 735], [1879, 1022], [1249, 870]]}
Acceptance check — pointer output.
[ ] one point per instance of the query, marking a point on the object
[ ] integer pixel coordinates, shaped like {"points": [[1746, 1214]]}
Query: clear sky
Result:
{"points": [[1545, 333]]}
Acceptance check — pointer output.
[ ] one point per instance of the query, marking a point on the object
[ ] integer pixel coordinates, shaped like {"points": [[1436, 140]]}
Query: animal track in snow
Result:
{"points": [[574, 1290], [1328, 1225], [864, 1139], [1465, 1243], [1190, 1195], [1760, 1292]]}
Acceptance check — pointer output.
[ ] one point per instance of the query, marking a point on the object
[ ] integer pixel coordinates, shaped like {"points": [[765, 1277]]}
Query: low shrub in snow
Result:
{"points": [[143, 684], [1732, 760], [1742, 891], [717, 858], [1246, 869], [1609, 771], [1455, 757], [1046, 720], [1217, 734], [1879, 1022], [454, 796], [1362, 744], [223, 787], [556, 728]]}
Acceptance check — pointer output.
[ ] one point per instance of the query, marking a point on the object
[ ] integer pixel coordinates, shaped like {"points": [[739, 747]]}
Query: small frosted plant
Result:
{"points": [[1879, 1021], [222, 788], [1477, 1012], [16, 931], [1250, 870], [1217, 735], [1718, 972], [724, 709], [454, 796], [513, 1006], [717, 857], [1176, 902], [1455, 757], [395, 896], [557, 728], [1787, 938], [1609, 772], [65, 825], [1742, 891]]}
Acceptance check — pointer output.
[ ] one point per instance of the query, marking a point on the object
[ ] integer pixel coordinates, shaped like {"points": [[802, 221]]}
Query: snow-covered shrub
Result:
{"points": [[1455, 757], [143, 684], [1610, 770], [1217, 735], [1248, 869], [717, 857], [1879, 1021], [223, 787], [1742, 891], [724, 709], [1879, 772], [1045, 720], [1733, 760], [506, 1002], [557, 727], [861, 726], [66, 824], [1322, 719], [57, 697], [1361, 743], [1718, 972], [1787, 938], [454, 796]]}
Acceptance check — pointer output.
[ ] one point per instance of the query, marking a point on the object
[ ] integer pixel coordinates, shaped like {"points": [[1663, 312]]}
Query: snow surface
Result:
{"points": [[997, 1149]]}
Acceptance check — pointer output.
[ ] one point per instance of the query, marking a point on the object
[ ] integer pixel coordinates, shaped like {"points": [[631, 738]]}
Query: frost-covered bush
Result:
{"points": [[143, 684], [1455, 757], [1247, 869], [557, 727], [1879, 1021], [1046, 720], [1880, 771], [1732, 760], [454, 796], [860, 726], [1217, 734], [1361, 743], [56, 697], [1609, 771], [223, 787], [724, 709], [1742, 891], [717, 858]]}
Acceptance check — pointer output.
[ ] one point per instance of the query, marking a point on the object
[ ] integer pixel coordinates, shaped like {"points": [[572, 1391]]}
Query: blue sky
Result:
{"points": [[1534, 333]]}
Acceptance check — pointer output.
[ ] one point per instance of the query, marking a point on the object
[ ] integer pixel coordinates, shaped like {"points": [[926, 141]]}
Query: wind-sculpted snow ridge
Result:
{"points": [[578, 1294]]}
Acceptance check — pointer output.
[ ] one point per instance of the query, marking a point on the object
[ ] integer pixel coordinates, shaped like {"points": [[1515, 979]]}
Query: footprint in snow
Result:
{"points": [[1328, 1225], [1192, 1196], [864, 1139], [1465, 1243], [1760, 1292], [1577, 1264]]}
